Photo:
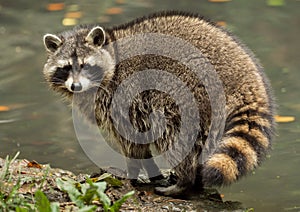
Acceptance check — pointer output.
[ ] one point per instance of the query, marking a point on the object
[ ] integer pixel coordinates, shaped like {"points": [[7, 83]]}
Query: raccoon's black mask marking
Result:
{"points": [[61, 74]]}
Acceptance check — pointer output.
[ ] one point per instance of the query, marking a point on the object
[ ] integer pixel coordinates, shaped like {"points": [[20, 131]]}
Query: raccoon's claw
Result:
{"points": [[173, 190]]}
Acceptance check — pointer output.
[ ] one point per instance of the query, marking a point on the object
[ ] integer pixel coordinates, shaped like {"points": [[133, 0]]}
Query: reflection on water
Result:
{"points": [[36, 122]]}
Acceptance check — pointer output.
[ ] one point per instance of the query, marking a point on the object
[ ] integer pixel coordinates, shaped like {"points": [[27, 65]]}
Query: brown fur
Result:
{"points": [[249, 105]]}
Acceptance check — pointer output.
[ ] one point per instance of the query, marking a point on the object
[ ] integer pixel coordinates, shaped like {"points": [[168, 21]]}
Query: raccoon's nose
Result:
{"points": [[76, 86]]}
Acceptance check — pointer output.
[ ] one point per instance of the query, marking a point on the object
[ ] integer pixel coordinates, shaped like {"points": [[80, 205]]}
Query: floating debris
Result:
{"points": [[7, 121], [4, 108], [104, 19], [73, 15], [114, 10], [73, 8], [120, 1], [284, 119], [275, 2], [69, 21], [219, 1], [221, 23], [55, 6]]}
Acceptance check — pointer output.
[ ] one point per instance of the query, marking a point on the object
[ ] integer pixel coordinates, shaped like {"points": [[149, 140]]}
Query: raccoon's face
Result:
{"points": [[77, 60]]}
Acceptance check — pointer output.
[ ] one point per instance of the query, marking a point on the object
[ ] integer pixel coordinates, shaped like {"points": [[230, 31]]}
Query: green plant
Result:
{"points": [[5, 174], [10, 199], [42, 204], [84, 194]]}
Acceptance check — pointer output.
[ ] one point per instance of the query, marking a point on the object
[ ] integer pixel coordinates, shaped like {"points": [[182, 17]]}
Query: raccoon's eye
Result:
{"points": [[61, 74], [64, 71], [66, 68]]}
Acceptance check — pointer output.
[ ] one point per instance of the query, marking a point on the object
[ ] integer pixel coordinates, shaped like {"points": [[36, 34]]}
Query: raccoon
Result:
{"points": [[86, 58]]}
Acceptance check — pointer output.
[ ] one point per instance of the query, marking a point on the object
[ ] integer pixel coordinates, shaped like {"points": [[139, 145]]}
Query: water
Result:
{"points": [[39, 124]]}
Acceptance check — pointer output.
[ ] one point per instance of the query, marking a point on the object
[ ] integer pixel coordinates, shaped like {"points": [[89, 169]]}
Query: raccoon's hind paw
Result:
{"points": [[159, 180], [173, 190]]}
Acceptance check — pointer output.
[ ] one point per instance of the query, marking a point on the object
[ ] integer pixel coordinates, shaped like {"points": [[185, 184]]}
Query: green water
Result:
{"points": [[39, 124]]}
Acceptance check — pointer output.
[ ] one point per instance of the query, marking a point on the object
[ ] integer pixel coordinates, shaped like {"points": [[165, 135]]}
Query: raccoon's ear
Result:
{"points": [[52, 42], [96, 36]]}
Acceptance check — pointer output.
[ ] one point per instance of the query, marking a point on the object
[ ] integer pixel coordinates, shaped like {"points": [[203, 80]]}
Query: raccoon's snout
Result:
{"points": [[78, 84], [76, 87]]}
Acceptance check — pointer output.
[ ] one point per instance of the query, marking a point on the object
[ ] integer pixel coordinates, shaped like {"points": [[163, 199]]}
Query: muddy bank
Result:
{"points": [[32, 176]]}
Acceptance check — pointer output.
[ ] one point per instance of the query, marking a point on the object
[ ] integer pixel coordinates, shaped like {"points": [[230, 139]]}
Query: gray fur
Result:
{"points": [[249, 105]]}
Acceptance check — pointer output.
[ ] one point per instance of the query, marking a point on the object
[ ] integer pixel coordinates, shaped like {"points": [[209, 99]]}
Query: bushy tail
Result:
{"points": [[245, 143]]}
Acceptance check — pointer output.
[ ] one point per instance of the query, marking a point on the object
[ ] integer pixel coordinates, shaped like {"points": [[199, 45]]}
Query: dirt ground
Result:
{"points": [[33, 176]]}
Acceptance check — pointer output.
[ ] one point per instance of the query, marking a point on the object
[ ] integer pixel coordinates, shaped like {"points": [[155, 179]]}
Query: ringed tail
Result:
{"points": [[246, 141]]}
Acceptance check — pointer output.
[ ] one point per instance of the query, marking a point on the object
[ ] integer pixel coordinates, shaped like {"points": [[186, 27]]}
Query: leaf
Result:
{"points": [[42, 202], [113, 182], [69, 21], [21, 209], [84, 187], [73, 15], [103, 176], [54, 206], [34, 164], [105, 200], [89, 208], [117, 205], [114, 10], [89, 195], [219, 1], [221, 23], [72, 191], [284, 119], [101, 186], [120, 1], [73, 8], [4, 108], [55, 6], [5, 174], [110, 180], [275, 2], [27, 187]]}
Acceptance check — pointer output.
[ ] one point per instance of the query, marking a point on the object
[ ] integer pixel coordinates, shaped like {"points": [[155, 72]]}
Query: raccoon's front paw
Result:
{"points": [[173, 190], [161, 180], [135, 182]]}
